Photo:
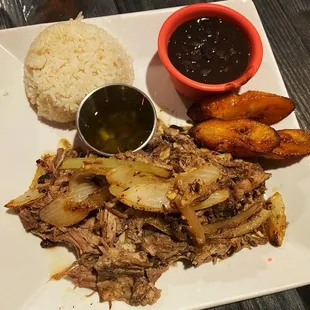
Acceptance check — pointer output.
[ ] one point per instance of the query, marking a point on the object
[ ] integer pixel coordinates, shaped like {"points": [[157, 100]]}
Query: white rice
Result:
{"points": [[68, 60]]}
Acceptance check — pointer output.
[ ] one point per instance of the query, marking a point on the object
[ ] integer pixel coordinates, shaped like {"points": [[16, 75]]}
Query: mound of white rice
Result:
{"points": [[68, 60]]}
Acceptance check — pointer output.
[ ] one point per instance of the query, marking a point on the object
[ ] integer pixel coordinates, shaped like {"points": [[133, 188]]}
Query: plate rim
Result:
{"points": [[172, 9]]}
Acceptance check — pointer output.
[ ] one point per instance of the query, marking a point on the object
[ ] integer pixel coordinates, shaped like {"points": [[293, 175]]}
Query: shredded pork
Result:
{"points": [[121, 252]]}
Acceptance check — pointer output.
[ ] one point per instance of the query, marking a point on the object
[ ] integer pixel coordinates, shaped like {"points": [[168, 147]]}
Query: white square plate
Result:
{"points": [[25, 267]]}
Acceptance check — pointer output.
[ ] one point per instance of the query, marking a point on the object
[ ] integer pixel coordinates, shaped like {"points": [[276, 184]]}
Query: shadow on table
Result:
{"points": [[47, 11], [304, 294], [5, 19]]}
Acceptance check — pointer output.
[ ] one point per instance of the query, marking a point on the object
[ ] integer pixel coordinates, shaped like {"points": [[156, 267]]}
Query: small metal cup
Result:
{"points": [[108, 93]]}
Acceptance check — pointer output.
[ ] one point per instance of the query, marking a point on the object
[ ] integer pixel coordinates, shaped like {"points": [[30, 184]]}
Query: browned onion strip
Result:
{"points": [[213, 199], [151, 196], [80, 187], [102, 165], [253, 223], [194, 224], [233, 221], [95, 200], [30, 196], [59, 213], [71, 208]]}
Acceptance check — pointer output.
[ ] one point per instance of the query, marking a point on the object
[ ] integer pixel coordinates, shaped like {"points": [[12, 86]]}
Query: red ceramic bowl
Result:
{"points": [[191, 88]]}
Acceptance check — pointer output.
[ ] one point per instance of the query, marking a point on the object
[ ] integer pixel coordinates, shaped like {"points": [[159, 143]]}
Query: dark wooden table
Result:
{"points": [[287, 23]]}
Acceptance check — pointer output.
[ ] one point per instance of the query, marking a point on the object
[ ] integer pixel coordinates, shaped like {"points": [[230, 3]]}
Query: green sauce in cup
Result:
{"points": [[116, 118]]}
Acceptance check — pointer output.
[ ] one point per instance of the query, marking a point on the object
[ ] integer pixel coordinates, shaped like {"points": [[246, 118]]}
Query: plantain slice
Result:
{"points": [[263, 107], [295, 143], [275, 226], [241, 138], [215, 106]]}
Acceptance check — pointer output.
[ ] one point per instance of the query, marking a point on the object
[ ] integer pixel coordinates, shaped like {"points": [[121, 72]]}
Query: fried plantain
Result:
{"points": [[295, 143], [212, 107], [256, 105], [241, 138]]}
